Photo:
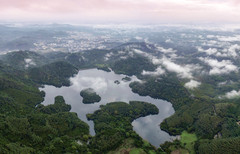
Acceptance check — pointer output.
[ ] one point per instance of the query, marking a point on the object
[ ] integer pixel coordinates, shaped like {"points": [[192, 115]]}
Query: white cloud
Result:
{"points": [[184, 71], [141, 53], [121, 52], [158, 71], [229, 82], [97, 83], [210, 51], [229, 38], [174, 56], [108, 55], [169, 41], [210, 36], [213, 42], [123, 57], [233, 50], [138, 38], [222, 83], [156, 61], [232, 94], [219, 67], [230, 52], [29, 62], [169, 50], [192, 84]]}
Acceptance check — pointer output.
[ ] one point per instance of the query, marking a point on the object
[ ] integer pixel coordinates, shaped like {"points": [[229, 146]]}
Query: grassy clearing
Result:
{"points": [[128, 147], [188, 141], [137, 151], [180, 151]]}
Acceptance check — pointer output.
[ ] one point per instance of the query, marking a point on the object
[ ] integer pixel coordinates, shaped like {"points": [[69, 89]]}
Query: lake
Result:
{"points": [[103, 83]]}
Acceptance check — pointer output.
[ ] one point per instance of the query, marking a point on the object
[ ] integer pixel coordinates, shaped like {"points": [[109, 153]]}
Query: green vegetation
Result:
{"points": [[47, 129], [128, 146], [197, 111], [126, 79], [58, 106], [188, 140], [132, 66], [90, 96], [206, 123], [117, 82], [137, 151], [57, 74], [18, 59], [200, 115], [26, 126], [160, 88], [103, 67], [219, 146], [185, 145], [113, 125]]}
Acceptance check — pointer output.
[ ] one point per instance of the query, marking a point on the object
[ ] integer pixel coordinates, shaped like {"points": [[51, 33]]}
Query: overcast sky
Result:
{"points": [[121, 11]]}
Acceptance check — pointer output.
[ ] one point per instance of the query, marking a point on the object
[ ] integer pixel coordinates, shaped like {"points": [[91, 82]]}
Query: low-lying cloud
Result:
{"points": [[169, 50], [183, 71], [158, 71], [231, 51], [219, 67], [29, 62], [97, 83], [192, 84], [210, 51], [232, 94], [229, 38]]}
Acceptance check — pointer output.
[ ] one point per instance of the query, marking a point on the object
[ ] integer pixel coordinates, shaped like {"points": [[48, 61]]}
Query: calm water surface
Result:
{"points": [[103, 83]]}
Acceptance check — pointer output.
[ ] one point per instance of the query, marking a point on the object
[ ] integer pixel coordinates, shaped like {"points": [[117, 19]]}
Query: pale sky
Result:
{"points": [[121, 11]]}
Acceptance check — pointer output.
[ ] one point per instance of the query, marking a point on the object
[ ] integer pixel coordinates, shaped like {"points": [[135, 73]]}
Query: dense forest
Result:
{"points": [[113, 125], [214, 121], [26, 126]]}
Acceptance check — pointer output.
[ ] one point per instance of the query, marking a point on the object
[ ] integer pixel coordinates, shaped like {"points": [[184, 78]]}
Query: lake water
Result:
{"points": [[103, 83]]}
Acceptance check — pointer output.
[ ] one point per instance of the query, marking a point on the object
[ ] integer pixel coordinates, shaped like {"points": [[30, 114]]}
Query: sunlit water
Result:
{"points": [[103, 83]]}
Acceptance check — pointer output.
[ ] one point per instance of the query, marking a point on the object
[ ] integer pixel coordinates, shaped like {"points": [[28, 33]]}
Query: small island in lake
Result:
{"points": [[117, 82], [90, 96]]}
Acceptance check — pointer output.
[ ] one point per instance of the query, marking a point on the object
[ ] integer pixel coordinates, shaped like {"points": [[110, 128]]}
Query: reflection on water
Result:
{"points": [[103, 83]]}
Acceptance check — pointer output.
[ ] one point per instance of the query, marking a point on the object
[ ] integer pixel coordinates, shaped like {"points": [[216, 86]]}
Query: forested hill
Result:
{"points": [[56, 73], [23, 59]]}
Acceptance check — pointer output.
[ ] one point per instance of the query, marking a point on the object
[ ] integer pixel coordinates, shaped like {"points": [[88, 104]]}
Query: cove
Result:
{"points": [[103, 83]]}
